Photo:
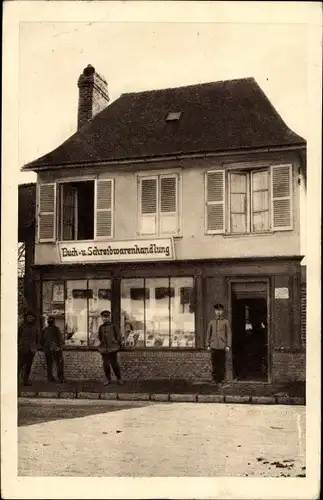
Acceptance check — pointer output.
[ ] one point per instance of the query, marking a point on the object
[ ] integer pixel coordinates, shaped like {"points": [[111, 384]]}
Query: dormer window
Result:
{"points": [[173, 116]]}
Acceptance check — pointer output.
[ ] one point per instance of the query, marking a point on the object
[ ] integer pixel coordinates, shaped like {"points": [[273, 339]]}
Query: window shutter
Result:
{"points": [[215, 199], [104, 208], [168, 205], [148, 205], [281, 197], [47, 212]]}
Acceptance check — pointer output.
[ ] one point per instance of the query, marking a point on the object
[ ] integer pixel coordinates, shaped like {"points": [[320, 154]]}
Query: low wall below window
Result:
{"points": [[193, 366], [289, 366], [135, 365]]}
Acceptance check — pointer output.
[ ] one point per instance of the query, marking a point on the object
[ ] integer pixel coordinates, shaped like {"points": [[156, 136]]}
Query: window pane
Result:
{"points": [[260, 221], [182, 312], [238, 183], [238, 203], [53, 302], [99, 300], [76, 312], [260, 201], [157, 312], [238, 223], [133, 294], [260, 181]]}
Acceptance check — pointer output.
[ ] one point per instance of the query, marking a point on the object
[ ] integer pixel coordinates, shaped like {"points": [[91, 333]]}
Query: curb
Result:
{"points": [[128, 396], [237, 399], [159, 397], [210, 398], [181, 398], [263, 400], [88, 395], [108, 395], [163, 397]]}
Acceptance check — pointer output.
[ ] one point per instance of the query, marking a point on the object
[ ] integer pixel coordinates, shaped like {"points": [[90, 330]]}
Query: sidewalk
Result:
{"points": [[170, 390]]}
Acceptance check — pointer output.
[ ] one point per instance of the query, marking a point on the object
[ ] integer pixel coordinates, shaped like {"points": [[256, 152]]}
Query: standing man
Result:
{"points": [[28, 340], [52, 343], [218, 341], [110, 344]]}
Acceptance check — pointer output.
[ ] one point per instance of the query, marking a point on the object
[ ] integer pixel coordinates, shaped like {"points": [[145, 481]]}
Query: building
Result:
{"points": [[162, 203]]}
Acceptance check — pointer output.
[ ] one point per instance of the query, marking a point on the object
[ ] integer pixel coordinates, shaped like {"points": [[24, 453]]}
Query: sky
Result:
{"points": [[134, 56]]}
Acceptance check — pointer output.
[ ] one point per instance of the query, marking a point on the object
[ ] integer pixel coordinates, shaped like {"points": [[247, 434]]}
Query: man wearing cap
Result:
{"points": [[52, 342], [28, 340], [110, 343], [218, 341]]}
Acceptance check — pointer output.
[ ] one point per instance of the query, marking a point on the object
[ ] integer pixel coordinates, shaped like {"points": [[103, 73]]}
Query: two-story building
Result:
{"points": [[161, 204]]}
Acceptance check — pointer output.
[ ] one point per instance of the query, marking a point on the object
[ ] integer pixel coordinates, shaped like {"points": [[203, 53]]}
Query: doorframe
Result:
{"points": [[250, 279]]}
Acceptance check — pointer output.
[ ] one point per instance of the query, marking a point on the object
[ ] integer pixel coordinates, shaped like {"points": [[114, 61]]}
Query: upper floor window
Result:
{"points": [[78, 210], [249, 201], [158, 201]]}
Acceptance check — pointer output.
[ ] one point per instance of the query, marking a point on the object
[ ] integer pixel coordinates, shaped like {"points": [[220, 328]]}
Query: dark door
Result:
{"points": [[249, 331]]}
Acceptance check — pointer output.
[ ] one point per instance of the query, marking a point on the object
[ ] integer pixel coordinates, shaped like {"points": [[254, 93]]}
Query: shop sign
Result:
{"points": [[116, 251], [281, 293]]}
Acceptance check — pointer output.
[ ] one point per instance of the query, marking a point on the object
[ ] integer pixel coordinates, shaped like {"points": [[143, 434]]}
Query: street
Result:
{"points": [[115, 438]]}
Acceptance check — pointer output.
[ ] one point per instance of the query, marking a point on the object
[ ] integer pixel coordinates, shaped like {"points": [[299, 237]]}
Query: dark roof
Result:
{"points": [[26, 210], [216, 117]]}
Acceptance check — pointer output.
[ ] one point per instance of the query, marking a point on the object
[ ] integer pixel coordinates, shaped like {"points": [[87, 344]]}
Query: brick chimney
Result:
{"points": [[93, 95]]}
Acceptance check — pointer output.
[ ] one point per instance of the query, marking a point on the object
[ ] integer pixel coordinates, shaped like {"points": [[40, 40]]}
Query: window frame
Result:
{"points": [[58, 205], [248, 200], [174, 173], [248, 168], [144, 278], [87, 345], [252, 173]]}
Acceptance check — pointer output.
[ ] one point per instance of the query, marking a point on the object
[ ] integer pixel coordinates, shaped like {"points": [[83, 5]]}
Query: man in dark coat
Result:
{"points": [[218, 341], [110, 343], [28, 342], [52, 342]]}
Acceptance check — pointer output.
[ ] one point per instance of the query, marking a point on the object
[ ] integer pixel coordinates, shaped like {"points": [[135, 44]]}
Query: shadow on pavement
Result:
{"points": [[35, 413]]}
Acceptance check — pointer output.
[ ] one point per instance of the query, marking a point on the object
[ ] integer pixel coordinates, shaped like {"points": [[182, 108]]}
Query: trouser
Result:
{"points": [[57, 357], [25, 361], [218, 358], [110, 359]]}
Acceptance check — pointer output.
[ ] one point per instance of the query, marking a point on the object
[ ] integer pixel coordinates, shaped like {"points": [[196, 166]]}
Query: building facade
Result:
{"points": [[163, 203]]}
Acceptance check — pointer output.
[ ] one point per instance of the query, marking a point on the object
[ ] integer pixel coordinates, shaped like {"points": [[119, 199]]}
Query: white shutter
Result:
{"points": [[215, 201], [281, 197], [148, 205], [47, 212], [168, 204], [104, 208]]}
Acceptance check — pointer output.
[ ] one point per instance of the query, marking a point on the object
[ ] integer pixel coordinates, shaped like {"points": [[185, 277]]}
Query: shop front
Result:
{"points": [[162, 307]]}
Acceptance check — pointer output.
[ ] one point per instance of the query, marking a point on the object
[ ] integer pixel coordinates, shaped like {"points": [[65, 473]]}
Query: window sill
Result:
{"points": [[248, 235], [158, 236]]}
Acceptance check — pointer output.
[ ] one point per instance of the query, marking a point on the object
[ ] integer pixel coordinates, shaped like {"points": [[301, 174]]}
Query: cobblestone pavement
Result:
{"points": [[110, 438]]}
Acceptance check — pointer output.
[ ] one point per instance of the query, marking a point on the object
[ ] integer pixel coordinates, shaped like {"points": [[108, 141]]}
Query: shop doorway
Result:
{"points": [[249, 312]]}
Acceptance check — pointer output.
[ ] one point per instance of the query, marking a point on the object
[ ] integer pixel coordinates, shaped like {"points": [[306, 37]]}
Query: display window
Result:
{"points": [[158, 312], [154, 312]]}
